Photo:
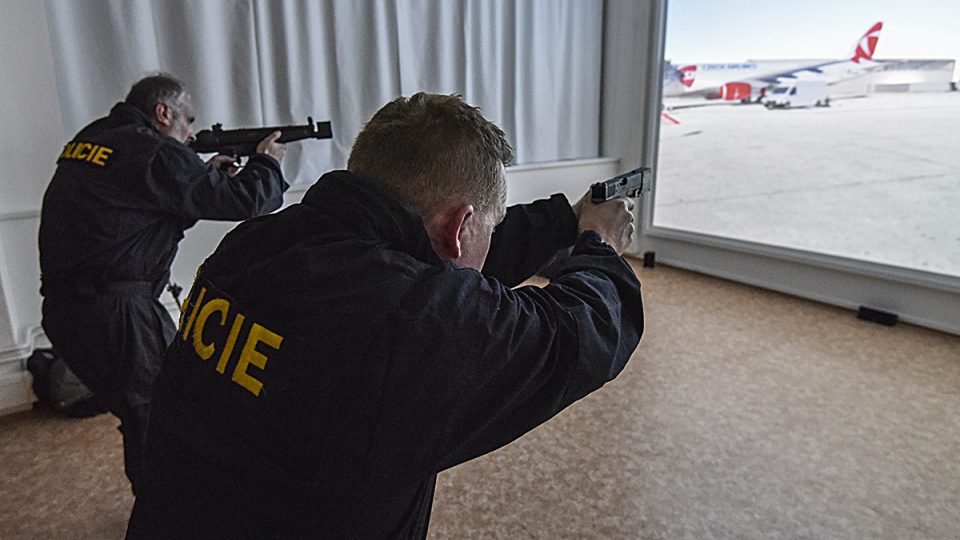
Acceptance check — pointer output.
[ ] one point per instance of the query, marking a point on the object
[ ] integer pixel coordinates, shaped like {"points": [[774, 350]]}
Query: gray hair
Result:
{"points": [[149, 91]]}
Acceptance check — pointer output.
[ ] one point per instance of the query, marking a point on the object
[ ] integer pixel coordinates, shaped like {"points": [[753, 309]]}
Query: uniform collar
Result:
{"points": [[124, 113], [365, 209]]}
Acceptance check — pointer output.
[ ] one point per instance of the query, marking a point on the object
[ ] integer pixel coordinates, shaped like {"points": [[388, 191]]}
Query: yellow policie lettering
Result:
{"points": [[91, 153], [81, 152], [249, 355], [100, 158], [193, 314], [67, 150], [219, 304], [231, 341]]}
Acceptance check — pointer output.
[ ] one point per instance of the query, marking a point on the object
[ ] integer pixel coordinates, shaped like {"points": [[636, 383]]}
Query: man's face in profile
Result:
{"points": [[181, 128]]}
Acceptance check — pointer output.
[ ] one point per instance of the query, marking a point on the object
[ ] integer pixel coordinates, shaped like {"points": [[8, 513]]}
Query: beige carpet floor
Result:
{"points": [[743, 414]]}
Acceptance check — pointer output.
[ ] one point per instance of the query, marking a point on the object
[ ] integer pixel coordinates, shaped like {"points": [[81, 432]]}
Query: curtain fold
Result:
{"points": [[533, 66]]}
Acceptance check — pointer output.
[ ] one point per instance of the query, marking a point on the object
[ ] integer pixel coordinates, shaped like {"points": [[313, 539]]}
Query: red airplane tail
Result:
{"points": [[687, 75], [864, 48]]}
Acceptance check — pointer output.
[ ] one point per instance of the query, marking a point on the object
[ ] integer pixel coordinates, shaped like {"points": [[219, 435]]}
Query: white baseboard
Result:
{"points": [[15, 393]]}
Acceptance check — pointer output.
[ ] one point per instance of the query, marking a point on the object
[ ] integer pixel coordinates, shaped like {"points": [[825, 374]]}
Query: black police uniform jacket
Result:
{"points": [[329, 365], [114, 212], [124, 193]]}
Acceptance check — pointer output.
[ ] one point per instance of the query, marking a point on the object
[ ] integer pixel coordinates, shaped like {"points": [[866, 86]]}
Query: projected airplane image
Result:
{"points": [[776, 83]]}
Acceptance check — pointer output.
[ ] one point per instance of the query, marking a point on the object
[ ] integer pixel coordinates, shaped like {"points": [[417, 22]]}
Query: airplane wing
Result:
{"points": [[738, 81], [863, 50]]}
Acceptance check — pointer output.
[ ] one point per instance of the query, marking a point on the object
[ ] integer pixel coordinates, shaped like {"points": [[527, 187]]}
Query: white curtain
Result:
{"points": [[533, 66]]}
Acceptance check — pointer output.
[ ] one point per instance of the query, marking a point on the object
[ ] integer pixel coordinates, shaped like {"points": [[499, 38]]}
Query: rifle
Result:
{"points": [[243, 142], [631, 184]]}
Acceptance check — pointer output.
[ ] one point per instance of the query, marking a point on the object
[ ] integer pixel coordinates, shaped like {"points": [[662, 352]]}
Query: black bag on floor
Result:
{"points": [[54, 383]]}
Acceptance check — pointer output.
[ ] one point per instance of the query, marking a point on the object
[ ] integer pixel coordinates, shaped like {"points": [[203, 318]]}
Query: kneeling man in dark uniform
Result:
{"points": [[334, 357], [125, 189]]}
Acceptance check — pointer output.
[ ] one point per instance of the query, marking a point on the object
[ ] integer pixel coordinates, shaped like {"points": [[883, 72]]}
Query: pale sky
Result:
{"points": [[700, 31]]}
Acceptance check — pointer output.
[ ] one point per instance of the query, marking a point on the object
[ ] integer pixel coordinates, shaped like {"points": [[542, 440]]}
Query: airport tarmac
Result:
{"points": [[875, 178]]}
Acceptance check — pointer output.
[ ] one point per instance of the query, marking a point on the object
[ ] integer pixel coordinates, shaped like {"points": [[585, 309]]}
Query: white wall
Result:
{"points": [[32, 130], [30, 141]]}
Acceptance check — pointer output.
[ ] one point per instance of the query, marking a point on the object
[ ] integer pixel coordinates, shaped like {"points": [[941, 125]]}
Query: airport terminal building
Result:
{"points": [[903, 75]]}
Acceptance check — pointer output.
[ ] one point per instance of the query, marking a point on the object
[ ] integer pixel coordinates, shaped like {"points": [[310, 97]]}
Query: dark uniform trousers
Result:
{"points": [[114, 339]]}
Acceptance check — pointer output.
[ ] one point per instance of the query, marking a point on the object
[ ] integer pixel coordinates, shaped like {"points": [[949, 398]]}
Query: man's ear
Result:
{"points": [[162, 114], [445, 229]]}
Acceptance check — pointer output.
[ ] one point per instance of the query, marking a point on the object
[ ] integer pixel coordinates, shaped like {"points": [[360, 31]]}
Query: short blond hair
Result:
{"points": [[430, 148]]}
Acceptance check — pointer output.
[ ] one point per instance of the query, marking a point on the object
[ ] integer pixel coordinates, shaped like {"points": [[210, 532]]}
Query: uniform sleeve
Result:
{"points": [[181, 183], [544, 349], [528, 237]]}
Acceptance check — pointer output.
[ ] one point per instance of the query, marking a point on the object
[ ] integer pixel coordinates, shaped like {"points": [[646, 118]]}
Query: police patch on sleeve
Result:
{"points": [[84, 151], [228, 350]]}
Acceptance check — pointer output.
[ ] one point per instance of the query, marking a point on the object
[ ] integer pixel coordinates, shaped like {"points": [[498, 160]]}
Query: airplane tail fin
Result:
{"points": [[687, 75], [864, 48]]}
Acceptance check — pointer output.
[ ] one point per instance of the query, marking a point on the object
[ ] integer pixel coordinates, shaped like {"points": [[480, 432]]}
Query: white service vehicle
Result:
{"points": [[797, 93]]}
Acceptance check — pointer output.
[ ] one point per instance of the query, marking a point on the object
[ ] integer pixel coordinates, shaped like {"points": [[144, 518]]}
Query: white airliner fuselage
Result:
{"points": [[744, 81]]}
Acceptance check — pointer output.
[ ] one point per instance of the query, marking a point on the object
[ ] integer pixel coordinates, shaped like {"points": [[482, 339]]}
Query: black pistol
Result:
{"points": [[630, 184], [243, 142]]}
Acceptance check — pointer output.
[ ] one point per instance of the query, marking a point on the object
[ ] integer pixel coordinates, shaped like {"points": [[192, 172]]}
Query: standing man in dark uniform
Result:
{"points": [[125, 189], [334, 357]]}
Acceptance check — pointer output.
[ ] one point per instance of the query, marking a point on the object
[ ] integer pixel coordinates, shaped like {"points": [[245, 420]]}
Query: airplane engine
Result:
{"points": [[735, 91]]}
